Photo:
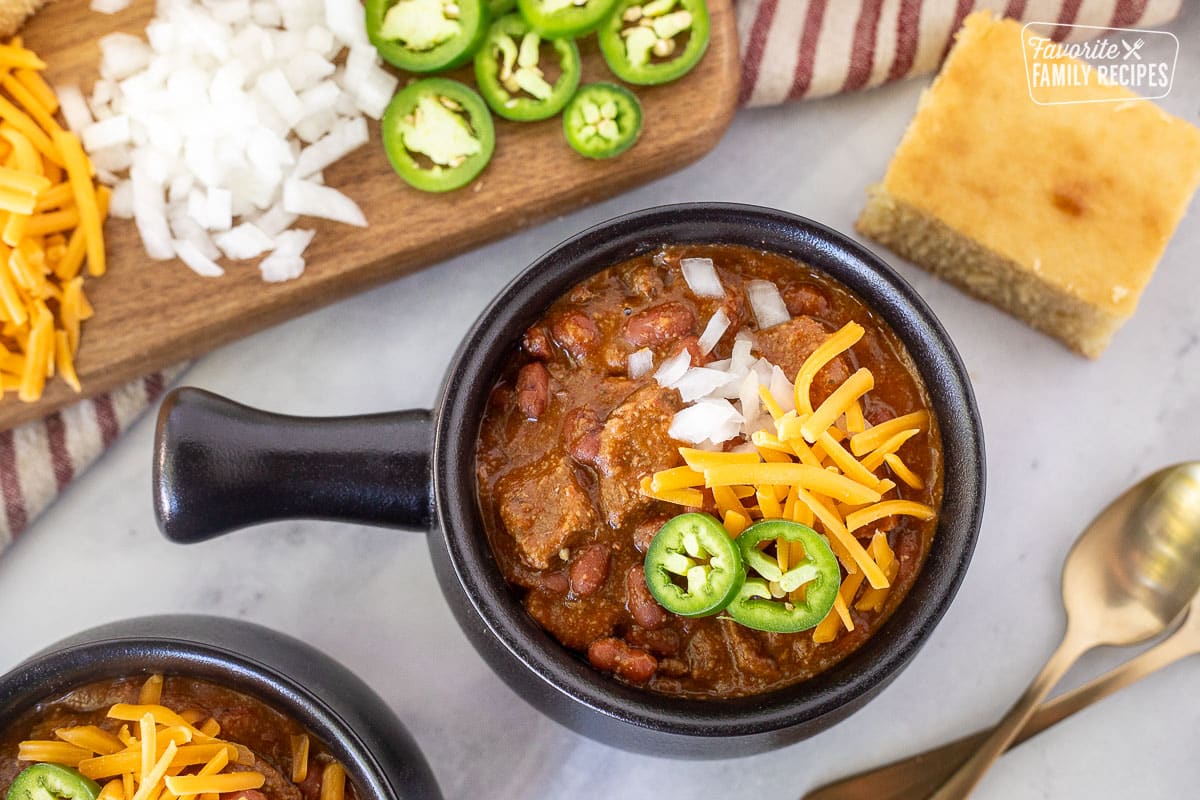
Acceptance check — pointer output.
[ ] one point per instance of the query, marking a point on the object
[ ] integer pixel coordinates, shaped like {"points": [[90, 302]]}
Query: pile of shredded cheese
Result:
{"points": [[161, 754], [51, 220], [817, 467]]}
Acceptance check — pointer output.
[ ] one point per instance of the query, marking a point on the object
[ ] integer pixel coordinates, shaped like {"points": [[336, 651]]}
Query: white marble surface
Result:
{"points": [[1063, 436]]}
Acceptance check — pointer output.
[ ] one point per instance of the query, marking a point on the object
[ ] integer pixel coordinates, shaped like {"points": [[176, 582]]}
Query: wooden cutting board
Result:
{"points": [[152, 314]]}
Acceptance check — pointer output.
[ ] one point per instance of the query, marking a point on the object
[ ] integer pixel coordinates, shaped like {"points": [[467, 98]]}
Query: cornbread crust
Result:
{"points": [[1057, 214]]}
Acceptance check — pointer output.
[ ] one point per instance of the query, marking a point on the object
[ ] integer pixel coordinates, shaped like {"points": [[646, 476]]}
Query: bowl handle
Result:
{"points": [[220, 465]]}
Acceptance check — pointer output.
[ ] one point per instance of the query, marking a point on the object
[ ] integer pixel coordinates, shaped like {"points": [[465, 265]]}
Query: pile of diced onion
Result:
{"points": [[722, 397], [214, 130]]}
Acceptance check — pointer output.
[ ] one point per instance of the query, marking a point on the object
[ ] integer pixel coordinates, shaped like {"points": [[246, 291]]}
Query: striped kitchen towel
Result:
{"points": [[800, 49], [791, 50]]}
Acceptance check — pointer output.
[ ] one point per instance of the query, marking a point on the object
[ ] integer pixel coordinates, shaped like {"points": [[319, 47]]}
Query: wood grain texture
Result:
{"points": [[151, 314]]}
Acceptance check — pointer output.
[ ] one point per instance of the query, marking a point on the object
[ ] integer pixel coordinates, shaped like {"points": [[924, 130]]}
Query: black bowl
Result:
{"points": [[294, 678], [220, 466]]}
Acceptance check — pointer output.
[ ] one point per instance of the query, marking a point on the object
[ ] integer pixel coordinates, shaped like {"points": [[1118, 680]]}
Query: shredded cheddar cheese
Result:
{"points": [[821, 468], [51, 222]]}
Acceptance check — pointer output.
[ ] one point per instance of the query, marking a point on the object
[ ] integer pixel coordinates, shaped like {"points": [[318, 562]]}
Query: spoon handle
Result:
{"points": [[917, 776], [967, 776]]}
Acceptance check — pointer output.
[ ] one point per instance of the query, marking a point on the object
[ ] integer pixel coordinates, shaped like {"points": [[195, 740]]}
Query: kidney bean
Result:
{"points": [[537, 343], [641, 604], [533, 389], [630, 663], [659, 325], [555, 582], [575, 333], [581, 434], [644, 533], [589, 569]]}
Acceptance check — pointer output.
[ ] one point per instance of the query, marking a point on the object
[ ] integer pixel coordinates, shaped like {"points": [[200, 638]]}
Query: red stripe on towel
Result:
{"points": [[756, 43], [154, 386], [1015, 9], [1070, 11], [862, 51], [60, 456], [960, 13], [106, 417], [10, 484], [1128, 12], [813, 20], [908, 38]]}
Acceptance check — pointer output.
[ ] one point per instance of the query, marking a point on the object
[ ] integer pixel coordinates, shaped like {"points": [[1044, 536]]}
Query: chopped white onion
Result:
{"points": [[750, 402], [211, 112], [275, 220], [279, 267], [345, 137], [74, 107], [345, 18], [718, 323], [673, 368], [201, 264], [314, 200], [641, 362], [767, 304], [715, 421], [782, 390], [374, 91], [121, 203], [122, 54], [108, 133], [109, 6], [741, 359], [699, 382], [701, 277], [243, 241]]}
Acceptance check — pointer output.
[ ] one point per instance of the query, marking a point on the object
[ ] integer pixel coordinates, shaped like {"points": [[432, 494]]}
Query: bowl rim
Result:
{"points": [[241, 656], [468, 383]]}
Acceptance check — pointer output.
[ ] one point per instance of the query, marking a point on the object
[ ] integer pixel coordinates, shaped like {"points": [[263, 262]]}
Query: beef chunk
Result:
{"points": [[748, 652], [634, 443], [789, 344], [543, 507], [705, 654]]}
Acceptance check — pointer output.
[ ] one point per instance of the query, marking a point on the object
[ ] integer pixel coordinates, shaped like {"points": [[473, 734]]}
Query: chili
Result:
{"points": [[756, 606], [438, 134], [641, 41], [602, 120], [510, 79], [695, 550], [426, 35]]}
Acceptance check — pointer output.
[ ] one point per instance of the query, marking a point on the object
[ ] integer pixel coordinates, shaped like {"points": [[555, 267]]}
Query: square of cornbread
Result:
{"points": [[1057, 214]]}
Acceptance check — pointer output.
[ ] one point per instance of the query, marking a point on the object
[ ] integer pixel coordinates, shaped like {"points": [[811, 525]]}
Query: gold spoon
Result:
{"points": [[919, 775], [1129, 574]]}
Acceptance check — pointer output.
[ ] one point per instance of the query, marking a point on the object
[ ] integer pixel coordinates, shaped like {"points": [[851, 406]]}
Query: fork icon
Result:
{"points": [[1132, 49]]}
